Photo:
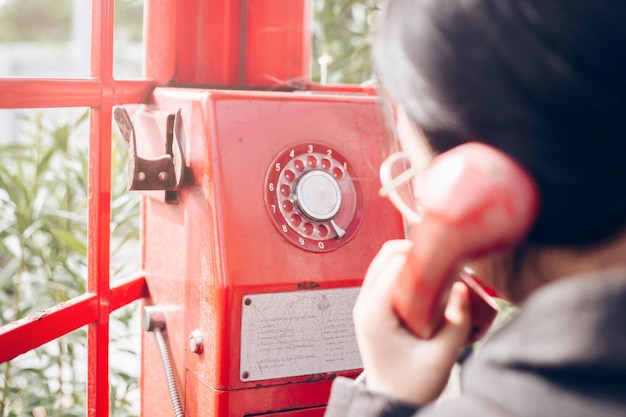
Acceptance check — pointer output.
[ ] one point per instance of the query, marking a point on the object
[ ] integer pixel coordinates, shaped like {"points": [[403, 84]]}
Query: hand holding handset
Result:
{"points": [[476, 200]]}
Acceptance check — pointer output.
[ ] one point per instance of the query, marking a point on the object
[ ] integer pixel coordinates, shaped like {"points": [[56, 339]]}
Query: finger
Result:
{"points": [[373, 305], [458, 316], [381, 261]]}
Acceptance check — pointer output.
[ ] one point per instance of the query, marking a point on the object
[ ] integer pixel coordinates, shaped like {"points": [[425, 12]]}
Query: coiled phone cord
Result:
{"points": [[169, 374], [154, 320]]}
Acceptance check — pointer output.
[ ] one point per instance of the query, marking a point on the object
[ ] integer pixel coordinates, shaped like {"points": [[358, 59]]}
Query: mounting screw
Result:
{"points": [[195, 342]]}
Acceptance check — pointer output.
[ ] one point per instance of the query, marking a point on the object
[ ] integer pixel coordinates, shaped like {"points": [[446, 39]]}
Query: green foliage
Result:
{"points": [[43, 181], [43, 260], [342, 39]]}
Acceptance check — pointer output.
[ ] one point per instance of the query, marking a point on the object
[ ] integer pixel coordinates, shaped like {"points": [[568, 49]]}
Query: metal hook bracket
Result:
{"points": [[164, 172]]}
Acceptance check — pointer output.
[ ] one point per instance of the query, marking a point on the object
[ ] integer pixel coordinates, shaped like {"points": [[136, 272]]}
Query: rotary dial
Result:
{"points": [[312, 198]]}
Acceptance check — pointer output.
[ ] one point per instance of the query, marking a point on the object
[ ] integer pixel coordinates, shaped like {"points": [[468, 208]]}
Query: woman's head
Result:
{"points": [[542, 80]]}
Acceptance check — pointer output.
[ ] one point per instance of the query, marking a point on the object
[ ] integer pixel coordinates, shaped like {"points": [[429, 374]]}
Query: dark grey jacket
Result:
{"points": [[562, 354]]}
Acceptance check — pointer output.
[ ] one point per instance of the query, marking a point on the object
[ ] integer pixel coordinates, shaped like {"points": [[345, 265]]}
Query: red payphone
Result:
{"points": [[259, 263], [266, 217]]}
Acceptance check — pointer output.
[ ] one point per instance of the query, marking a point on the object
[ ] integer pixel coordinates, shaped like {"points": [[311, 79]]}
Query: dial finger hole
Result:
{"points": [[296, 220], [338, 173], [311, 161], [326, 164], [287, 206], [308, 228], [299, 165], [289, 175], [322, 230], [285, 190]]}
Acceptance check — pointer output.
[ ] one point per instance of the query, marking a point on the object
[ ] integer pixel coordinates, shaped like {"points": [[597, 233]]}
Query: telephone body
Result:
{"points": [[260, 254]]}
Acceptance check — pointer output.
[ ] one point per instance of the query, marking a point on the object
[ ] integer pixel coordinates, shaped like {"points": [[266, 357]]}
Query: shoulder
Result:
{"points": [[350, 399]]}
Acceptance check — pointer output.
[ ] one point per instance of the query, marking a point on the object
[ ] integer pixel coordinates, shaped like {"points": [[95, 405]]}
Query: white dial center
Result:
{"points": [[318, 195]]}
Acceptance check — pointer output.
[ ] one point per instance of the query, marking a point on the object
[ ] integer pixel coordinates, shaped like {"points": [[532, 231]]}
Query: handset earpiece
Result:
{"points": [[476, 200]]}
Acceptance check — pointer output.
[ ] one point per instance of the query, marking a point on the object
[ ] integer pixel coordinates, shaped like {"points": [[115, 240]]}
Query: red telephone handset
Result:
{"points": [[475, 200]]}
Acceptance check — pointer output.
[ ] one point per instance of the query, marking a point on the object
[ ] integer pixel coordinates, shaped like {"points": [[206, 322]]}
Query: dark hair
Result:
{"points": [[542, 80]]}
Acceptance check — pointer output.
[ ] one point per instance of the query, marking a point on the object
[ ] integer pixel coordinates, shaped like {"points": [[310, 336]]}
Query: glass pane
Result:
{"points": [[124, 362], [47, 381], [342, 40], [43, 210], [45, 38], [52, 38], [128, 38], [125, 249]]}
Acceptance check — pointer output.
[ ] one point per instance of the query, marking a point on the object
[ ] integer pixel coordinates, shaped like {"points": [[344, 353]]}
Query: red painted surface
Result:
{"points": [[248, 43], [31, 93], [39, 328], [128, 289], [277, 44], [160, 40], [219, 243], [99, 189]]}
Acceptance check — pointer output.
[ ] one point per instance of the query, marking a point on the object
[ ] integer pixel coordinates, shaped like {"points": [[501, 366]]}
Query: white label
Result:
{"points": [[298, 333]]}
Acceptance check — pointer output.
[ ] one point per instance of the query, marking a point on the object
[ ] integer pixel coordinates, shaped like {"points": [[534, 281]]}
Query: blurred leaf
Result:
{"points": [[43, 260], [70, 240], [342, 33]]}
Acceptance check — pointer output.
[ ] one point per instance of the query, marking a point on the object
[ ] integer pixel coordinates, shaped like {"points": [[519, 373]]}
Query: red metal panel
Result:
{"points": [[160, 40], [208, 42], [306, 412], [35, 93], [185, 40], [125, 291], [277, 48], [236, 43], [131, 91], [204, 254], [294, 400], [41, 327], [98, 262], [32, 93]]}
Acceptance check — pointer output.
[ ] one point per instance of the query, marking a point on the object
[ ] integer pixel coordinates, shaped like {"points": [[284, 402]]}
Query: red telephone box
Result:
{"points": [[260, 210]]}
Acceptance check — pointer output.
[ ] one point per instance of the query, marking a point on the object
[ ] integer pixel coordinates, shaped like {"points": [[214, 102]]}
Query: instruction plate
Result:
{"points": [[298, 333]]}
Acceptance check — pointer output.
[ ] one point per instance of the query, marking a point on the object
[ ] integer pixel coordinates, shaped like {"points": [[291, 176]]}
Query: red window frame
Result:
{"points": [[100, 92]]}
